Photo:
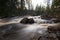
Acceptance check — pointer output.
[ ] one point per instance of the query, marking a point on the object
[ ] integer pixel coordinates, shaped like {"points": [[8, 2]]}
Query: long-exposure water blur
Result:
{"points": [[29, 19]]}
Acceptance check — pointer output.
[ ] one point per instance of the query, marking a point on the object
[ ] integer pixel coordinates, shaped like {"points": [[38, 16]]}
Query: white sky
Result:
{"points": [[39, 2]]}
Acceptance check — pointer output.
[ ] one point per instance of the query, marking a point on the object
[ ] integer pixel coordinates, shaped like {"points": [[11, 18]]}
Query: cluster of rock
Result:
{"points": [[55, 19], [27, 21]]}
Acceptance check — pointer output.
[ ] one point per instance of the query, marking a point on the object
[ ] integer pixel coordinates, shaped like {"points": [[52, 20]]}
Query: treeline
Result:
{"points": [[55, 9], [51, 11], [10, 8]]}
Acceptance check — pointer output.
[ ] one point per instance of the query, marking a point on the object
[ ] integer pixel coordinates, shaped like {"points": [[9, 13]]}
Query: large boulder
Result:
{"points": [[30, 21], [27, 21], [24, 20], [53, 29]]}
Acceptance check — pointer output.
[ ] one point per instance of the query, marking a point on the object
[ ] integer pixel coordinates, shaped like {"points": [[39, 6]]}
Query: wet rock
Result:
{"points": [[24, 20], [55, 30], [56, 20], [27, 21], [51, 29], [30, 21], [49, 36], [36, 36]]}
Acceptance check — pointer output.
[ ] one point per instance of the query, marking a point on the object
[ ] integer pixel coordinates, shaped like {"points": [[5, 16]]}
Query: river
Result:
{"points": [[13, 30]]}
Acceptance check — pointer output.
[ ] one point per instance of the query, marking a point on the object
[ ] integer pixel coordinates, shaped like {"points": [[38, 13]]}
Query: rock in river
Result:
{"points": [[27, 21]]}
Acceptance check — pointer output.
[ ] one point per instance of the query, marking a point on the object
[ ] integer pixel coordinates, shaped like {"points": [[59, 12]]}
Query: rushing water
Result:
{"points": [[18, 31]]}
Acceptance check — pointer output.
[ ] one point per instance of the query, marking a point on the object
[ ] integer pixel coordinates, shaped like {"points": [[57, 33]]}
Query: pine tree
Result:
{"points": [[56, 8]]}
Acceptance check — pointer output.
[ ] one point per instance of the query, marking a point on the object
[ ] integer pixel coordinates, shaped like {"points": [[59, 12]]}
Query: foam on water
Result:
{"points": [[35, 28], [30, 27]]}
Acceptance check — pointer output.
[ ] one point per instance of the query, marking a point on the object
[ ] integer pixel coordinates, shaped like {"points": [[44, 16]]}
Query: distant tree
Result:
{"points": [[29, 3], [14, 7], [11, 7], [55, 9], [48, 8], [7, 7], [22, 4], [39, 10]]}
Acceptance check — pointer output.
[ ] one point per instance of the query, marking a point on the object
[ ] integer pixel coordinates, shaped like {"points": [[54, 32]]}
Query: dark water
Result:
{"points": [[19, 31]]}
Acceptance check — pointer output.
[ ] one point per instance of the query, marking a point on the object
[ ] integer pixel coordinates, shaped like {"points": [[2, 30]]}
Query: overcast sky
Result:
{"points": [[40, 2]]}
